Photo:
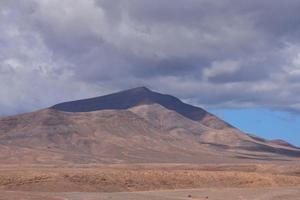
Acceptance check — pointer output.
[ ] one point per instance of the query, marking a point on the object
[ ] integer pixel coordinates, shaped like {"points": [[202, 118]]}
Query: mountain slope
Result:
{"points": [[133, 126], [106, 136]]}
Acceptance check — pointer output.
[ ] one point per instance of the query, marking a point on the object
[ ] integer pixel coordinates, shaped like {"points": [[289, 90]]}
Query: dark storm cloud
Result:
{"points": [[227, 53]]}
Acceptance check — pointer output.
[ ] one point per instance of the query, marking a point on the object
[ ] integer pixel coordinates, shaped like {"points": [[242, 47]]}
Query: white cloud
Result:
{"points": [[219, 68], [219, 54]]}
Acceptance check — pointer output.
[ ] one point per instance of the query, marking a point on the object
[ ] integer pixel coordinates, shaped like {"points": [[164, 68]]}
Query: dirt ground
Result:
{"points": [[151, 182], [273, 193]]}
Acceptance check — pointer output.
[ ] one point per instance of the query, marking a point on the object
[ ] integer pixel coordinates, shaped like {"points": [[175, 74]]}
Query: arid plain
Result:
{"points": [[222, 181]]}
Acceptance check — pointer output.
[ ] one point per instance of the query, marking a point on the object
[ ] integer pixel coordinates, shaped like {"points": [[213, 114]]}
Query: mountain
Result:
{"points": [[132, 126], [282, 143], [142, 96]]}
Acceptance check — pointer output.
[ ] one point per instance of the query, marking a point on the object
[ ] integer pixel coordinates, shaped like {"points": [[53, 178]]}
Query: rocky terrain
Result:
{"points": [[133, 126]]}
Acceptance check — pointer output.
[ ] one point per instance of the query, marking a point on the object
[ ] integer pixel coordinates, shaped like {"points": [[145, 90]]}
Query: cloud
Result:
{"points": [[226, 67], [213, 53]]}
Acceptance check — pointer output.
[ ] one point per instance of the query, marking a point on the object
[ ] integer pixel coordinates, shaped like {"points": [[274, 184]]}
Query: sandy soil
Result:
{"points": [[248, 181], [274, 193]]}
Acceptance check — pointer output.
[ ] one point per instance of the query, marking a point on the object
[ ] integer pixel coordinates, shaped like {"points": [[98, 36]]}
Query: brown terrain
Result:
{"points": [[165, 181], [139, 140]]}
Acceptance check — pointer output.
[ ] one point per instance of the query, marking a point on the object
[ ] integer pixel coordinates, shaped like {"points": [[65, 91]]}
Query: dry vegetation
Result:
{"points": [[141, 178]]}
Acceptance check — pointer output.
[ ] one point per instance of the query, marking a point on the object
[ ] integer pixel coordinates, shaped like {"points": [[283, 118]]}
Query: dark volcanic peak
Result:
{"points": [[130, 98]]}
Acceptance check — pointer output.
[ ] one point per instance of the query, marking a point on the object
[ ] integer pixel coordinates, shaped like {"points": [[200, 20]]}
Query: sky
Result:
{"points": [[238, 59]]}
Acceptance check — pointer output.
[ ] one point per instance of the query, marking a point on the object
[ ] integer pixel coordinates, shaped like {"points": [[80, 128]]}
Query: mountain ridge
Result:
{"points": [[140, 96]]}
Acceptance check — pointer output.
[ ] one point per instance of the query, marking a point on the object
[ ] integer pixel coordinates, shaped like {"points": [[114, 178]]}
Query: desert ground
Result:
{"points": [[151, 182], [281, 193]]}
